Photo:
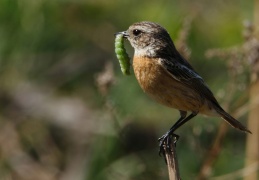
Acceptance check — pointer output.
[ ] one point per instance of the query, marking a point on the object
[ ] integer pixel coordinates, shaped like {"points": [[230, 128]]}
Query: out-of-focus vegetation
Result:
{"points": [[61, 118]]}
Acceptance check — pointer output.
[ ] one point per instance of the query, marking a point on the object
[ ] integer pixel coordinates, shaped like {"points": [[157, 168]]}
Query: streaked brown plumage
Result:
{"points": [[169, 79]]}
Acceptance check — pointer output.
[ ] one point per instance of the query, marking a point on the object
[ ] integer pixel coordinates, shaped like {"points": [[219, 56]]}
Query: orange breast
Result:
{"points": [[162, 87]]}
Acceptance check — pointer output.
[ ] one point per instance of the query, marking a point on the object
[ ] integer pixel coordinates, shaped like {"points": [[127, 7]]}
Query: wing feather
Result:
{"points": [[189, 77]]}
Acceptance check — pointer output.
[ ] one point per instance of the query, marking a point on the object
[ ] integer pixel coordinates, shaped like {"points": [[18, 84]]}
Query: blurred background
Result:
{"points": [[67, 112]]}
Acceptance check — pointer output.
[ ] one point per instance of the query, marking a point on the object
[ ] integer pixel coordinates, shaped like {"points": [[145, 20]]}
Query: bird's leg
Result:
{"points": [[167, 135], [166, 138], [182, 117]]}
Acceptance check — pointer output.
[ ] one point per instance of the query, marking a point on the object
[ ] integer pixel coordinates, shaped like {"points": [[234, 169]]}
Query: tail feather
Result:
{"points": [[232, 121]]}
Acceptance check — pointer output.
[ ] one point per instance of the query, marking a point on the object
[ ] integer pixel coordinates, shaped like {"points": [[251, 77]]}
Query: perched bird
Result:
{"points": [[168, 78]]}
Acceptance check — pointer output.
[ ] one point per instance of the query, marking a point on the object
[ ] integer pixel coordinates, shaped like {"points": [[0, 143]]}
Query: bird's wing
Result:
{"points": [[189, 77], [179, 71]]}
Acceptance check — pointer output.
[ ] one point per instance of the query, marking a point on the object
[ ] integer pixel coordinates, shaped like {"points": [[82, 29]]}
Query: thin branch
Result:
{"points": [[172, 162]]}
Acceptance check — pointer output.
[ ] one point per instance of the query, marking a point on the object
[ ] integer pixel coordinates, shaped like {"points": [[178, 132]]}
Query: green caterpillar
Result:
{"points": [[122, 55]]}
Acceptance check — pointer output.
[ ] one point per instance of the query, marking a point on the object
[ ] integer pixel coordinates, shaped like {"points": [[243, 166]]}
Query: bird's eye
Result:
{"points": [[136, 32]]}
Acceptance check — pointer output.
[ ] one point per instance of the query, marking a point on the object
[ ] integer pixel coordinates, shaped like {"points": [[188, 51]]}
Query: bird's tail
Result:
{"points": [[232, 121]]}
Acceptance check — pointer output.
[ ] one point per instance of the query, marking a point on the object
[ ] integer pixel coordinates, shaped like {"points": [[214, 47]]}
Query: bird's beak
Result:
{"points": [[124, 33]]}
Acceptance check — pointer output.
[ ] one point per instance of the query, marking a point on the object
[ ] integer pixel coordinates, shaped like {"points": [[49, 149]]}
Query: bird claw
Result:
{"points": [[166, 140]]}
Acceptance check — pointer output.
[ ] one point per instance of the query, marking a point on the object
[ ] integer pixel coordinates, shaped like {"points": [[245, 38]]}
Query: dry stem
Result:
{"points": [[172, 162]]}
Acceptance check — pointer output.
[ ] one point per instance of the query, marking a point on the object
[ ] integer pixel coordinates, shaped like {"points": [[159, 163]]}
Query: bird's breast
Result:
{"points": [[147, 72], [161, 86]]}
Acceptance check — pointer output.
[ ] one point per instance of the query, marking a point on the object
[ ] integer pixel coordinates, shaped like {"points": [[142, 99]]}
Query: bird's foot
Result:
{"points": [[166, 141]]}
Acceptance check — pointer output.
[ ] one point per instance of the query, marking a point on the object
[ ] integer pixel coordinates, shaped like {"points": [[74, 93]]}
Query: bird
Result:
{"points": [[167, 77]]}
